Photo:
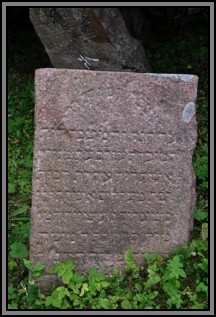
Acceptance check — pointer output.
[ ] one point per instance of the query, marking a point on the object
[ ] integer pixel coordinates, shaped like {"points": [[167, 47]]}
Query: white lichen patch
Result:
{"points": [[188, 112]]}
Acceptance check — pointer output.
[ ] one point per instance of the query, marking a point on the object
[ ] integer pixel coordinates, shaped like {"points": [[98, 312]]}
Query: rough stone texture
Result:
{"points": [[88, 38], [112, 166]]}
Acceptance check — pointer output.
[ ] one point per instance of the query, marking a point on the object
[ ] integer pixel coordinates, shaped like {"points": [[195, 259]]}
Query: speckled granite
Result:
{"points": [[112, 166]]}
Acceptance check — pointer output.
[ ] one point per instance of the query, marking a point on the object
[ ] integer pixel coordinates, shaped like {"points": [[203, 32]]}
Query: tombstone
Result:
{"points": [[112, 167], [90, 38]]}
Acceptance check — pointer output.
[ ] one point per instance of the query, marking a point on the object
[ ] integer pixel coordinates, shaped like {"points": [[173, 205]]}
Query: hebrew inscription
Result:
{"points": [[112, 167]]}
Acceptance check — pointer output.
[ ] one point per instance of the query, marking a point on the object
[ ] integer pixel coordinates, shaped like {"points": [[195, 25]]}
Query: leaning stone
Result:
{"points": [[88, 38]]}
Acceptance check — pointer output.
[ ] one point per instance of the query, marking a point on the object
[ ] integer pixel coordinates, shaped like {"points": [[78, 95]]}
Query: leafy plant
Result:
{"points": [[18, 250]]}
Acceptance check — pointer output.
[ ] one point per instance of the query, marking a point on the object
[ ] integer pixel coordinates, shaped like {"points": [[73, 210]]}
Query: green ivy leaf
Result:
{"points": [[78, 278], [74, 286], [84, 289], [105, 284], [66, 277], [95, 275], [18, 250], [65, 304], [49, 301], [98, 286], [60, 292], [104, 303], [54, 268], [69, 265], [38, 267], [57, 302], [58, 268], [125, 304], [27, 264], [37, 270]]}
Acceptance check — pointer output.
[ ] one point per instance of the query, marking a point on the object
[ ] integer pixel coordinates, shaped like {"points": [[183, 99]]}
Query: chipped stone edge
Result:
{"points": [[183, 77]]}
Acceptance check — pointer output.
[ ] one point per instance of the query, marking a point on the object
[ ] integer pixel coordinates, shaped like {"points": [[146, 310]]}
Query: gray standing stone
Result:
{"points": [[88, 38], [112, 166]]}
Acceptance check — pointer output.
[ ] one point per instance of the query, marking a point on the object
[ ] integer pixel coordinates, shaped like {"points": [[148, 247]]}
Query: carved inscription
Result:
{"points": [[98, 172]]}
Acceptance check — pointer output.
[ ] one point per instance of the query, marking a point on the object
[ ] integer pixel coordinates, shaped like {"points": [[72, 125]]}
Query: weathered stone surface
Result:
{"points": [[112, 166], [88, 38]]}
